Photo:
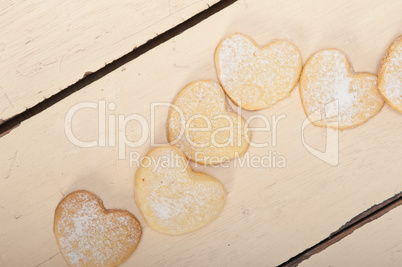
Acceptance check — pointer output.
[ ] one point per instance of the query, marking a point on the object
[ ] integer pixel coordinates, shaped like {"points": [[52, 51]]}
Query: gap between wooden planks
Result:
{"points": [[271, 214], [49, 45], [374, 242], [8, 125], [375, 212]]}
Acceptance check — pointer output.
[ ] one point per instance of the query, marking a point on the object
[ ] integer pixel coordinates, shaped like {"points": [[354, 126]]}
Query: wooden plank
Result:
{"points": [[49, 45], [272, 213], [377, 243], [356, 222]]}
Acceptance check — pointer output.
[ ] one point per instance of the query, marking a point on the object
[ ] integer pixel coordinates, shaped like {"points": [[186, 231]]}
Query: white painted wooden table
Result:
{"points": [[272, 214], [48, 45], [377, 243]]}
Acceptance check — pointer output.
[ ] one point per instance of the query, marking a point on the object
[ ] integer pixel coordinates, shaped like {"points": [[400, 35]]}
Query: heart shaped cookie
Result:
{"points": [[253, 77], [333, 96], [390, 75], [174, 199], [89, 235], [203, 127]]}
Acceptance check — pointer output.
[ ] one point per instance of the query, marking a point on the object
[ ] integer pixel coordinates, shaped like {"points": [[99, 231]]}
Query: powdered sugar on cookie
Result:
{"points": [[257, 77], [191, 203], [88, 235], [203, 127], [334, 82], [390, 75], [172, 198], [333, 96]]}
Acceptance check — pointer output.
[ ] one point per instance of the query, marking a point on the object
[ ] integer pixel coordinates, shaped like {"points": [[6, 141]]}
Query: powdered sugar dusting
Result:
{"points": [[170, 200], [257, 77], [392, 87], [393, 90], [89, 236], [328, 86], [203, 107]]}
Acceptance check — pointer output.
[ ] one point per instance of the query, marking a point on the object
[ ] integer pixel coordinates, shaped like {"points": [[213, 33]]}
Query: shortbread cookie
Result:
{"points": [[390, 75], [253, 77], [333, 96], [174, 199], [89, 235], [201, 125]]}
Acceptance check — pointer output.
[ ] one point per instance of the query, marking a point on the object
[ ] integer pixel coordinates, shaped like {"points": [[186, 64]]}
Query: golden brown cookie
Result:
{"points": [[90, 235], [390, 75], [333, 95], [174, 199], [202, 126], [254, 77]]}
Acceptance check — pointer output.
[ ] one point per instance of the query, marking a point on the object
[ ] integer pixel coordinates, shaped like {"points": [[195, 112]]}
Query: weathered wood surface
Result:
{"points": [[272, 213], [48, 45], [377, 243]]}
